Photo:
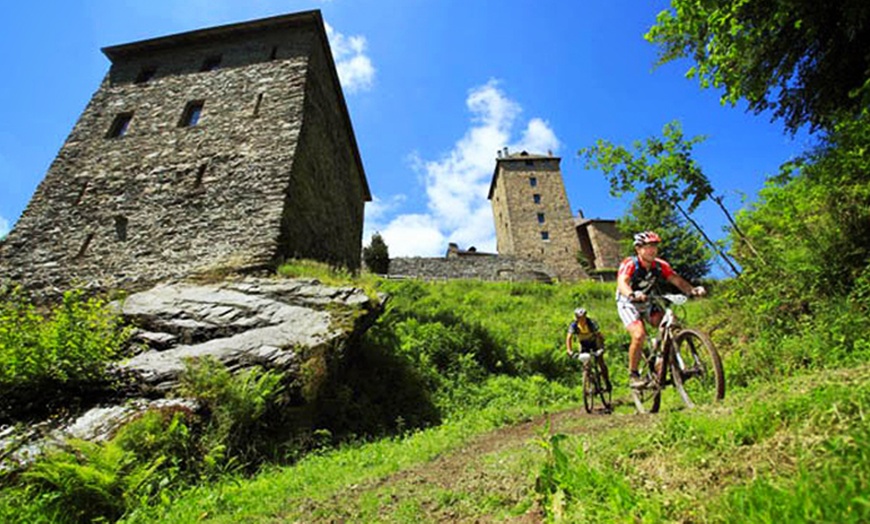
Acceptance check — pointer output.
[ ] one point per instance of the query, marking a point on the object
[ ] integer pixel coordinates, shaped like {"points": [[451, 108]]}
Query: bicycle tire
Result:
{"points": [[588, 391], [593, 386], [697, 369], [604, 390], [649, 398]]}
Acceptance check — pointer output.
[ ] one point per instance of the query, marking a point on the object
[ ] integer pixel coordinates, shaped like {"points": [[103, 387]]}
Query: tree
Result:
{"points": [[660, 166], [807, 61], [377, 256], [682, 247]]}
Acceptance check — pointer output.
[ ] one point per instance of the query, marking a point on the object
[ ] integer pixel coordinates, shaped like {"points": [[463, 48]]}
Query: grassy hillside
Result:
{"points": [[460, 405]]}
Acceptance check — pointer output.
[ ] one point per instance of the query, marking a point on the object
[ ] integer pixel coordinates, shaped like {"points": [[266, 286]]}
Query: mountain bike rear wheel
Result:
{"points": [[697, 369]]}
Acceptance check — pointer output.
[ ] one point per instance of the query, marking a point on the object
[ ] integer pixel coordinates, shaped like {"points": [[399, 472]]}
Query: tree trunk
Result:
{"points": [[709, 241]]}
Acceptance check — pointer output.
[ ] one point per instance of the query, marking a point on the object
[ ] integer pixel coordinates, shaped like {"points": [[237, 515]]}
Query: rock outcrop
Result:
{"points": [[278, 324]]}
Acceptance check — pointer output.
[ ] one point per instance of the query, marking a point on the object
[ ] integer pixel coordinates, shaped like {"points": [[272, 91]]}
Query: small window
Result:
{"points": [[530, 163], [145, 75], [537, 198], [540, 218], [211, 63], [120, 125], [121, 228], [192, 113], [257, 104], [545, 235], [533, 181]]}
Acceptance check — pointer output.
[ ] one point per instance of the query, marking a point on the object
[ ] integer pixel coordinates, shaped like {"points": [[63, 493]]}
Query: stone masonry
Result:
{"points": [[531, 212], [489, 268], [228, 148]]}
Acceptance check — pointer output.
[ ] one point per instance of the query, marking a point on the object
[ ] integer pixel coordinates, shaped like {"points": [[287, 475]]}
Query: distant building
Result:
{"points": [[227, 148], [533, 218]]}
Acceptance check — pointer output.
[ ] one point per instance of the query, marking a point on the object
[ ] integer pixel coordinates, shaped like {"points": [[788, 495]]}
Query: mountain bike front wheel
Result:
{"points": [[648, 399], [697, 368]]}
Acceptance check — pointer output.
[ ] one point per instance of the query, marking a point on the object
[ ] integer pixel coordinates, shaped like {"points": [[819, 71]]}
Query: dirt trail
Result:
{"points": [[494, 470]]}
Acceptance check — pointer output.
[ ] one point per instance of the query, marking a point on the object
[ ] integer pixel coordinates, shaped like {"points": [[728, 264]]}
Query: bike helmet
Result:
{"points": [[646, 237], [579, 312]]}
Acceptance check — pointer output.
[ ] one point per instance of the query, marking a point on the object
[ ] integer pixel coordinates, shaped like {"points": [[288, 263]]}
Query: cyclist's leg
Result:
{"points": [[633, 320]]}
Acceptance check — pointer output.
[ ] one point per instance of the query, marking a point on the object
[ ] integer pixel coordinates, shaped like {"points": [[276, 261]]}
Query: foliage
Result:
{"points": [[237, 404], [810, 227], [682, 247], [665, 177], [662, 166], [376, 255], [66, 349], [804, 60]]}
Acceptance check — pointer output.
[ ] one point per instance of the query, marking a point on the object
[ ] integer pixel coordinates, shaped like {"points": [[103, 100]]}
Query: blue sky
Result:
{"points": [[434, 89]]}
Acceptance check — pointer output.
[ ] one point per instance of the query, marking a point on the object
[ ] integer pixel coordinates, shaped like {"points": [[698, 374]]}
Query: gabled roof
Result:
{"points": [[305, 18]]}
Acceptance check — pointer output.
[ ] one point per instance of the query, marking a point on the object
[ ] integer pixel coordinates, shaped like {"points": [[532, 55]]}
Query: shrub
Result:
{"points": [[237, 405], [65, 350], [377, 256]]}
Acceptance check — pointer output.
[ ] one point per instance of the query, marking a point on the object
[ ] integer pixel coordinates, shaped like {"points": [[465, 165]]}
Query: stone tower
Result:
{"points": [[227, 148], [531, 212]]}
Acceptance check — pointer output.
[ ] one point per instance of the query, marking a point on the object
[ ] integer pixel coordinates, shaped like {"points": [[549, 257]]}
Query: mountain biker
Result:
{"points": [[636, 279], [589, 337]]}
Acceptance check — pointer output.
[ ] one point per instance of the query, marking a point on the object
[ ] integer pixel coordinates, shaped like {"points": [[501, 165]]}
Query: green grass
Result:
{"points": [[280, 494], [792, 452]]}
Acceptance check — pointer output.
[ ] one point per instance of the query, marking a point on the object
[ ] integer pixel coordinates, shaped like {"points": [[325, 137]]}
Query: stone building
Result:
{"points": [[599, 243], [531, 212], [227, 148], [533, 219]]}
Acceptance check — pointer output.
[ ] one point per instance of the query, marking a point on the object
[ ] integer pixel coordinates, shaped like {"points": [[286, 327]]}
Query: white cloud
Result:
{"points": [[355, 69], [458, 183], [4, 227], [414, 235]]}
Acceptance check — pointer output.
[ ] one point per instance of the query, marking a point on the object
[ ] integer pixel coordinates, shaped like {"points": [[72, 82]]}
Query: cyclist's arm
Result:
{"points": [[568, 342], [623, 285], [683, 285]]}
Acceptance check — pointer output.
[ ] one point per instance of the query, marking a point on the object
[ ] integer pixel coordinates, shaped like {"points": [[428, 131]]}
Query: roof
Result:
{"points": [[311, 18], [583, 222], [515, 157]]}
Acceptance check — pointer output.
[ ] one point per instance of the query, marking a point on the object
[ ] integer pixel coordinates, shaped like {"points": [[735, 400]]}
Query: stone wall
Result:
{"points": [[490, 268], [269, 170], [323, 215]]}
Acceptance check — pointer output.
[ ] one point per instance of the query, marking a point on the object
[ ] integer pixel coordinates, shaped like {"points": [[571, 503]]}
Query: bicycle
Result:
{"points": [[593, 381], [689, 355]]}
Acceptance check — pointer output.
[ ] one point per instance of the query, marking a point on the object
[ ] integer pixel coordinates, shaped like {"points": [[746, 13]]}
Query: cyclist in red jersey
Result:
{"points": [[637, 277]]}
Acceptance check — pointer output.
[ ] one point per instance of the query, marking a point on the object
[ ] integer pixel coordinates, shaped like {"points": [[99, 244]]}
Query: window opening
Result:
{"points": [[529, 163], [120, 125], [540, 218], [199, 173], [85, 244], [274, 54], [545, 235], [121, 228], [537, 198], [533, 181], [145, 75], [257, 105], [211, 63], [192, 113]]}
